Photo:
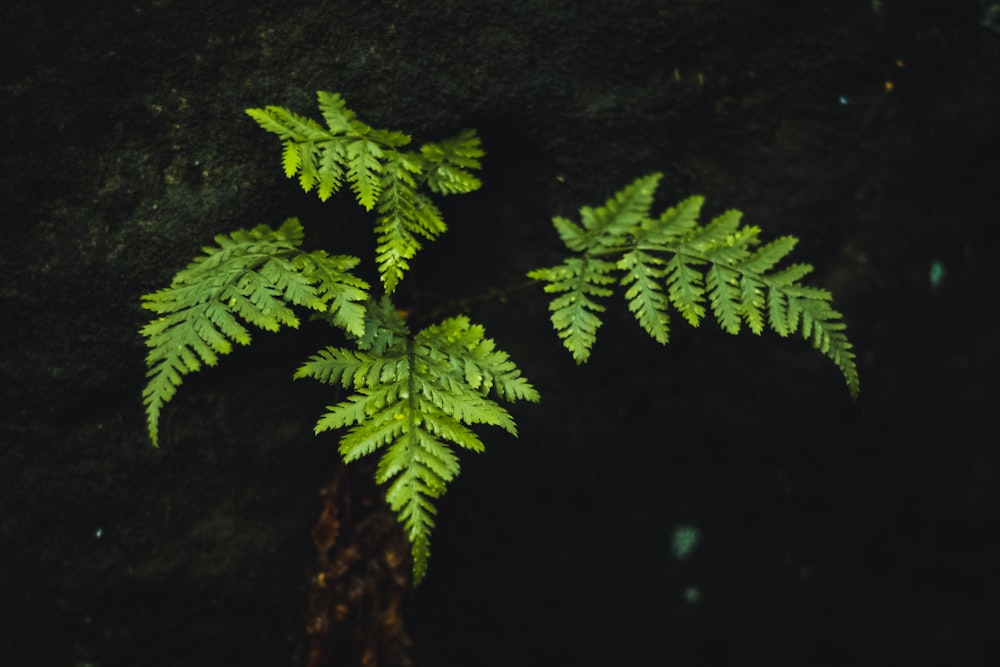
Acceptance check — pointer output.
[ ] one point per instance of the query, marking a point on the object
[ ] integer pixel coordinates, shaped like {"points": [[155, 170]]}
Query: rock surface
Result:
{"points": [[869, 130]]}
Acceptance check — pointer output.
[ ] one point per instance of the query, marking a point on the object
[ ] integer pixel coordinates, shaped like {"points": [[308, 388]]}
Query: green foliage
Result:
{"points": [[253, 276], [414, 397], [382, 175], [672, 260]]}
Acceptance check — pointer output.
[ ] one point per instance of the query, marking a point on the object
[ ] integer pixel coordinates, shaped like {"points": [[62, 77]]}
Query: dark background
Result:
{"points": [[832, 532]]}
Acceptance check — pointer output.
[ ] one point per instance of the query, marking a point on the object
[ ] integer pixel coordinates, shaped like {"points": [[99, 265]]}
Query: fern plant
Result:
{"points": [[672, 260], [417, 397]]}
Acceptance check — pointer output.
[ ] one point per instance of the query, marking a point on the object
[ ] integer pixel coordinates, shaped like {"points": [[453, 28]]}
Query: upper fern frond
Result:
{"points": [[251, 277], [674, 260], [382, 176], [414, 399]]}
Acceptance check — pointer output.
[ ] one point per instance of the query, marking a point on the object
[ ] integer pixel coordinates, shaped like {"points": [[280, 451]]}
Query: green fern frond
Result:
{"points": [[722, 284], [253, 276], [449, 163], [364, 170], [769, 254], [288, 125], [381, 175], [621, 216], [717, 235], [341, 294], [334, 109], [752, 302], [686, 288], [473, 359], [413, 401], [677, 221], [673, 260], [404, 215], [574, 313], [645, 296], [384, 327], [809, 310]]}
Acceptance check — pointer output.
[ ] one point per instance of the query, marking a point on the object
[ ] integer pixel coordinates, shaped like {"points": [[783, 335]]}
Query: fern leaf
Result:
{"points": [[777, 313], [353, 410], [380, 174], [330, 168], [675, 222], [474, 361], [715, 234], [790, 275], [430, 452], [338, 366], [395, 246], [389, 138], [685, 286], [574, 313], [380, 414], [364, 170], [411, 496], [413, 401], [576, 323], [661, 259], [253, 276], [645, 297], [752, 301], [724, 296], [340, 294], [385, 328], [732, 249], [254, 298], [308, 164], [574, 236], [819, 323], [284, 278], [621, 215], [334, 109], [768, 255], [291, 159], [450, 162], [404, 214], [288, 125]]}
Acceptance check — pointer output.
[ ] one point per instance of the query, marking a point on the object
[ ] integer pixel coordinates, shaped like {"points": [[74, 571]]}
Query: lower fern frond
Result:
{"points": [[413, 402]]}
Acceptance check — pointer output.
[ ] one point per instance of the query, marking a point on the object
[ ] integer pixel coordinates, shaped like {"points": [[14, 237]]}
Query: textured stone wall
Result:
{"points": [[868, 129]]}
